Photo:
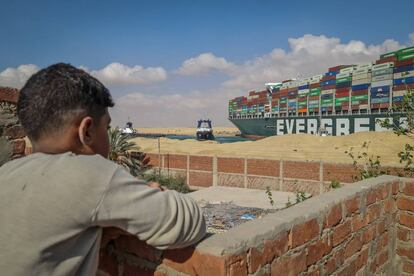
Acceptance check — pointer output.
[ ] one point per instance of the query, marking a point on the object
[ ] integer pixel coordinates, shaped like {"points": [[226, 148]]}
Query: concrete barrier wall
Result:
{"points": [[365, 228], [282, 175]]}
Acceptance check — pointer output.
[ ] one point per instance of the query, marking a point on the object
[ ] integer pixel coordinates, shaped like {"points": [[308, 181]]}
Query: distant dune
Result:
{"points": [[220, 131], [290, 147]]}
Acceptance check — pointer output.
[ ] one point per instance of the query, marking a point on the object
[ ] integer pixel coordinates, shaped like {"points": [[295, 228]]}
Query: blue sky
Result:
{"points": [[152, 40]]}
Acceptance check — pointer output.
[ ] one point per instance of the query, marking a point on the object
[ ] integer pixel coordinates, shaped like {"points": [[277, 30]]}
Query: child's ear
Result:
{"points": [[85, 130]]}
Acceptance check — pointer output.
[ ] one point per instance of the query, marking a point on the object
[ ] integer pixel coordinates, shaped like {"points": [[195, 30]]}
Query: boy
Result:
{"points": [[55, 202]]}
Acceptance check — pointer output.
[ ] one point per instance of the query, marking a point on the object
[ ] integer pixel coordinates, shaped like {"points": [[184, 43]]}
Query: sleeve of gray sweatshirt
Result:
{"points": [[163, 219]]}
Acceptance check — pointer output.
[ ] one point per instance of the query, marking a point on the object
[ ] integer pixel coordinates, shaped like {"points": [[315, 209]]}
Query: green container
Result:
{"points": [[341, 80], [317, 89], [390, 54], [406, 56], [341, 100], [283, 101], [406, 50], [325, 101], [327, 105], [302, 104], [360, 97]]}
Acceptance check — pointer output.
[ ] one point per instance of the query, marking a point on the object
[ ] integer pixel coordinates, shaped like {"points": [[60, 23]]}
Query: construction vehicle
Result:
{"points": [[204, 130]]}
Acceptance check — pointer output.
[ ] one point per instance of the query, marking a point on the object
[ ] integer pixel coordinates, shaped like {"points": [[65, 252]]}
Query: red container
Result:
{"points": [[341, 94], [293, 89], [337, 68], [403, 87], [252, 93], [363, 102], [313, 98], [376, 105], [355, 106], [303, 110], [397, 104], [327, 78], [404, 62], [329, 87], [384, 105], [314, 85], [359, 92], [388, 59], [286, 81], [340, 90]]}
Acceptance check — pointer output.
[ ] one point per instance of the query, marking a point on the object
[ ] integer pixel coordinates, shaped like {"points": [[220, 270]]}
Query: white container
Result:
{"points": [[343, 75], [303, 91], [399, 93], [383, 66], [362, 76], [382, 78], [317, 77], [360, 71], [314, 81], [361, 81], [363, 106], [301, 83], [405, 74], [381, 83], [380, 72], [346, 70], [363, 66], [329, 91]]}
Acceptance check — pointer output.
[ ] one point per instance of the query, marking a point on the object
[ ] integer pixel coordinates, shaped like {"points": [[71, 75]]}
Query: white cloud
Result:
{"points": [[120, 74], [204, 63], [307, 55], [17, 77], [411, 37]]}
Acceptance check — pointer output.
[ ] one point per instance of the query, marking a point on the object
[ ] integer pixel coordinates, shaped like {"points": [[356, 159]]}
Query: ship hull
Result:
{"points": [[336, 125]]}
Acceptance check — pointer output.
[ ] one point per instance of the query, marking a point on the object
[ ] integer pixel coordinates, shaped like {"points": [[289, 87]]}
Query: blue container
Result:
{"points": [[409, 80], [398, 99], [360, 87], [380, 100], [292, 104], [329, 82], [326, 96], [404, 68], [403, 81], [343, 84], [380, 94], [324, 109], [303, 87], [330, 74], [380, 89]]}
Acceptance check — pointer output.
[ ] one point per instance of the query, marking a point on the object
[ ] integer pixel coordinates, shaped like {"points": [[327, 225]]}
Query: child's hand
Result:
{"points": [[156, 185]]}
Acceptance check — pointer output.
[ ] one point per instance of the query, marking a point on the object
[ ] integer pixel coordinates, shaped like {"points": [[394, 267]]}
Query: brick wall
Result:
{"points": [[365, 228], [10, 128]]}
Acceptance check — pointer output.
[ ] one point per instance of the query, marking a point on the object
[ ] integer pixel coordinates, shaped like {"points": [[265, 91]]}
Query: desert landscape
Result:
{"points": [[289, 147]]}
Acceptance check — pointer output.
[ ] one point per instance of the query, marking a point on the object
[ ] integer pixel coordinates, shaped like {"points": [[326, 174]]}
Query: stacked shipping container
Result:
{"points": [[344, 88]]}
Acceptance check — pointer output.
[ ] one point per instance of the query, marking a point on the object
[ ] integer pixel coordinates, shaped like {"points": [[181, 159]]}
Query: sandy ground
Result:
{"points": [[218, 131], [290, 147]]}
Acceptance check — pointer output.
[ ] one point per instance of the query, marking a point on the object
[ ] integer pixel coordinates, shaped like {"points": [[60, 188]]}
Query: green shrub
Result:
{"points": [[176, 183]]}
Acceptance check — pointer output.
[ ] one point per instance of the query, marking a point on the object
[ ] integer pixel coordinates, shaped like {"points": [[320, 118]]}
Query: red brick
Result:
{"points": [[358, 222], [303, 233], [395, 187], [317, 250], [301, 170], [373, 212], [291, 265], [381, 227], [201, 163], [237, 265], [263, 167], [408, 267], [333, 263], [139, 248], [314, 271], [348, 269], [362, 259], [382, 258], [369, 234], [409, 188], [200, 179], [271, 249], [334, 216], [403, 234], [19, 146], [371, 197], [407, 220], [175, 161], [407, 252], [404, 203], [389, 206], [381, 192], [340, 232], [10, 95], [192, 262], [352, 205], [230, 165], [383, 241], [353, 246], [339, 172], [14, 132]]}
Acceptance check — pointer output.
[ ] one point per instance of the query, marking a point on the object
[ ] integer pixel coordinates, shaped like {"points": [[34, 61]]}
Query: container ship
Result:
{"points": [[344, 100]]}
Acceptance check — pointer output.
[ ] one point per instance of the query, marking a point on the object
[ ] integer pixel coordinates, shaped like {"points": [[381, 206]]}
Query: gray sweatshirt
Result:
{"points": [[53, 209]]}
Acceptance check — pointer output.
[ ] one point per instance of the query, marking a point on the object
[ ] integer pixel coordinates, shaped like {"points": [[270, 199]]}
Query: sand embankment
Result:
{"points": [[290, 147], [218, 131]]}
